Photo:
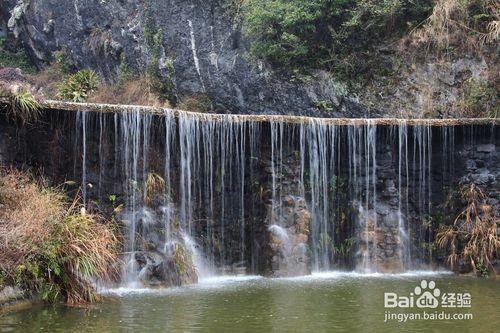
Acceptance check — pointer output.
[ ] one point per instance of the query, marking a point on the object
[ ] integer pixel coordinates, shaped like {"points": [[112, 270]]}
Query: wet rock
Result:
{"points": [[288, 225], [157, 269], [486, 148], [470, 164], [9, 294]]}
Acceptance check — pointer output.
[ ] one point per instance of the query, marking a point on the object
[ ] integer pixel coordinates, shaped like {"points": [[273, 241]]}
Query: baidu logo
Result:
{"points": [[427, 295]]}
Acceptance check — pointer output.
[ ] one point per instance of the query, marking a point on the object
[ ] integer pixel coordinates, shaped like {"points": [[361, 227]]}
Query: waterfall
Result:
{"points": [[81, 125], [404, 232], [356, 195]]}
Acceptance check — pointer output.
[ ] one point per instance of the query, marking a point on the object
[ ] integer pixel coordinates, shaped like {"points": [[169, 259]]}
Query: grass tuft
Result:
{"points": [[25, 106], [473, 236], [155, 185], [49, 246]]}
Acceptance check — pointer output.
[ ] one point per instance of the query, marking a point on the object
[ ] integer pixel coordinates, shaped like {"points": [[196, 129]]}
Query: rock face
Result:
{"points": [[289, 242], [10, 294], [200, 38], [380, 243], [288, 220], [427, 87], [157, 269], [159, 259]]}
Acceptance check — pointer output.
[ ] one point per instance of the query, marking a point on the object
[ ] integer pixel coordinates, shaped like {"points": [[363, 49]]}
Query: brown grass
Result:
{"points": [[450, 25], [137, 91], [473, 236], [196, 103], [49, 246], [90, 248], [26, 216], [155, 185], [48, 80]]}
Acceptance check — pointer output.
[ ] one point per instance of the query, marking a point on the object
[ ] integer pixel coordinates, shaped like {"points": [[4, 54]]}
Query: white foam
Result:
{"points": [[204, 283], [330, 275], [224, 279], [221, 281], [126, 291]]}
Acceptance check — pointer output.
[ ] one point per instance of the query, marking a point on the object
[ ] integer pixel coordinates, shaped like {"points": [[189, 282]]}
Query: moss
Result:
{"points": [[323, 106]]}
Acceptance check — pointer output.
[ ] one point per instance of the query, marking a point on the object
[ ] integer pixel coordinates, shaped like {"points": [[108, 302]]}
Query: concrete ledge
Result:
{"points": [[114, 108]]}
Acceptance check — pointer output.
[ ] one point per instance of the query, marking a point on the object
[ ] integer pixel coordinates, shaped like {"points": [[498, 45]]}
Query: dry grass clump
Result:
{"points": [[48, 80], [196, 103], [155, 185], [137, 91], [470, 24], [51, 247], [473, 236], [25, 216], [88, 247]]}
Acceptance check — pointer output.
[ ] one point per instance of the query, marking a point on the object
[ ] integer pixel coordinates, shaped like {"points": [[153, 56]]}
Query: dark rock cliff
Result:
{"points": [[201, 39]]}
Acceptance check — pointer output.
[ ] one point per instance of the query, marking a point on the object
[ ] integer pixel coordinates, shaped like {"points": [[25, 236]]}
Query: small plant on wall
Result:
{"points": [[78, 86], [25, 106]]}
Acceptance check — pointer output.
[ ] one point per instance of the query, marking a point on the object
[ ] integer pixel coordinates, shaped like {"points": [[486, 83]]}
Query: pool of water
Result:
{"points": [[323, 302]]}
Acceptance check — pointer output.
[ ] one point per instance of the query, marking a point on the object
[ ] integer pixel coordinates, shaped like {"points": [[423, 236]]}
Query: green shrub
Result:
{"points": [[125, 72], [62, 59], [78, 86], [296, 34]]}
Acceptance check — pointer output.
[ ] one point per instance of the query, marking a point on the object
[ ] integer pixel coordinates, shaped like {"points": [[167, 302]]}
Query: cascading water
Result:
{"points": [[196, 188], [404, 236]]}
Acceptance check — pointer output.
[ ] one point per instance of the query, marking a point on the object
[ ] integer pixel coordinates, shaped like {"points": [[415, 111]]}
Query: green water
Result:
{"points": [[333, 302]]}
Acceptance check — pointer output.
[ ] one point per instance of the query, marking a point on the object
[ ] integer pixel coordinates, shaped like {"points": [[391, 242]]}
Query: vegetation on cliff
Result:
{"points": [[21, 102], [336, 35], [12, 54], [378, 48], [49, 246], [78, 86], [24, 106]]}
